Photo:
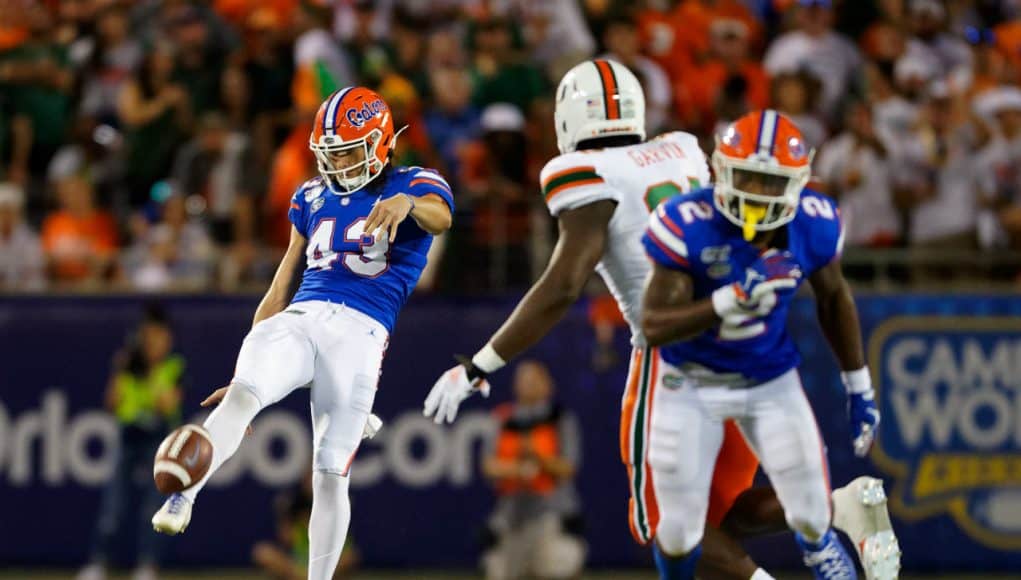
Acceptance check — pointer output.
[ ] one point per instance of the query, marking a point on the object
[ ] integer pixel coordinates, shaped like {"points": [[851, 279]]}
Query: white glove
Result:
{"points": [[448, 392], [372, 426]]}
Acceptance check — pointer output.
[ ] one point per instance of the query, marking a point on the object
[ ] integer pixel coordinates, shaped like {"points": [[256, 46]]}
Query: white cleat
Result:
{"points": [[859, 510], [174, 516]]}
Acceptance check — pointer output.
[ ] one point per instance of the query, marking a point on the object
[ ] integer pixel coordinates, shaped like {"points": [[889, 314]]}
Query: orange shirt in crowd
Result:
{"points": [[293, 165], [1008, 40], [238, 11], [72, 241], [701, 96]]}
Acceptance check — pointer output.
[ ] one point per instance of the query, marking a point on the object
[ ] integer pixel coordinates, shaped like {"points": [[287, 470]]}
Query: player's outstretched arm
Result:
{"points": [[430, 212], [669, 312], [583, 233], [838, 317], [278, 294]]}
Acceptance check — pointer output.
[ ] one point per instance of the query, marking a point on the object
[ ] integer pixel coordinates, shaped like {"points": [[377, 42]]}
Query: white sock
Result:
{"points": [[761, 574], [327, 528], [226, 426]]}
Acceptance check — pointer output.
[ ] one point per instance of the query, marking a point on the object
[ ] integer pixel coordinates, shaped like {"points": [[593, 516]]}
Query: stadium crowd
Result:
{"points": [[154, 145]]}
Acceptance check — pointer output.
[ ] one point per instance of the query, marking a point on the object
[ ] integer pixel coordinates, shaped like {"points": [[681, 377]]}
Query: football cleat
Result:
{"points": [[174, 516], [859, 510], [827, 558]]}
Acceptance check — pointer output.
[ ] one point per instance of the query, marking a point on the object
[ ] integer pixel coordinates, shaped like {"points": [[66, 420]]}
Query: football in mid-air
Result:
{"points": [[182, 459]]}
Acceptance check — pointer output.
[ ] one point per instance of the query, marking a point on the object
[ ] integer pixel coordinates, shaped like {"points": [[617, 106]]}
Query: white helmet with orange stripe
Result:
{"points": [[595, 99]]}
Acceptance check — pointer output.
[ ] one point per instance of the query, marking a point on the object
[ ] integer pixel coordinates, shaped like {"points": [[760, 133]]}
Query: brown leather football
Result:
{"points": [[182, 459]]}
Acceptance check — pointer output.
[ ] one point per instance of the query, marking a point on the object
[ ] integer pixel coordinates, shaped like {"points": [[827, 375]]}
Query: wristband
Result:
{"points": [[857, 382], [487, 360]]}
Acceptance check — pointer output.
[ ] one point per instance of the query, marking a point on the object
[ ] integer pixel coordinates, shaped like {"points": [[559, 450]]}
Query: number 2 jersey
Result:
{"points": [[636, 177], [686, 233], [346, 265]]}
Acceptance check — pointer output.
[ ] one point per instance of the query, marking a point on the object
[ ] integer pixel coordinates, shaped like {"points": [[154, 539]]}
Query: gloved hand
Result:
{"points": [[453, 387], [772, 273], [864, 415], [372, 426]]}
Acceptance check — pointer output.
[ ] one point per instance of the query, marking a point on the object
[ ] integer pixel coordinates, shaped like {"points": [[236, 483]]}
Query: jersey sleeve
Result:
{"points": [[664, 239], [297, 211], [826, 229], [423, 182], [572, 181]]}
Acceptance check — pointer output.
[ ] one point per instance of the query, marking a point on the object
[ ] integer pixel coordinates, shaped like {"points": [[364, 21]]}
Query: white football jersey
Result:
{"points": [[637, 177]]}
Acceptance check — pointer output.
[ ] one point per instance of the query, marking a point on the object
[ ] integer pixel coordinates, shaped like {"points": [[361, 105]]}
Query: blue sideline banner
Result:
{"points": [[947, 368]]}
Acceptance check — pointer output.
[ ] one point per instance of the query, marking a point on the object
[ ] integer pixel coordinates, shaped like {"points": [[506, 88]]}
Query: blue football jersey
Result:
{"points": [[686, 233], [347, 265]]}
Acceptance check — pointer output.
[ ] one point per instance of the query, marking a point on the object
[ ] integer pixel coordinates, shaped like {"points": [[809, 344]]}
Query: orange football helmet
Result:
{"points": [[766, 149], [352, 120]]}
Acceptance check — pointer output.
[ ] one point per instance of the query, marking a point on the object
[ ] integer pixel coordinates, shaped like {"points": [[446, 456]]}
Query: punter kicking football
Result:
{"points": [[362, 258]]}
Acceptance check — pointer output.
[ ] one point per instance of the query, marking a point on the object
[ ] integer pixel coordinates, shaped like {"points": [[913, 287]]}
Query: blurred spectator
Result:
{"points": [[940, 179], [729, 59], [154, 111], [855, 170], [286, 556], [199, 57], [214, 166], [22, 262], [555, 31], [943, 52], [268, 69], [109, 58], [622, 45], [498, 72], [453, 122], [175, 253], [1000, 219], [815, 48], [370, 54], [535, 526], [292, 165], [495, 177], [37, 78], [321, 67], [794, 96], [79, 239], [144, 394]]}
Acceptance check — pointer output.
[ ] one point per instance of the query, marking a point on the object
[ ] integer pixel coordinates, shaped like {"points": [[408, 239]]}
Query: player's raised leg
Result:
{"points": [[684, 440], [343, 390], [276, 357], [781, 428]]}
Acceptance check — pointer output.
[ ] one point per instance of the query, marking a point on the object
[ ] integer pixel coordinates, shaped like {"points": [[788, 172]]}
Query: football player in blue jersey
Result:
{"points": [[727, 261], [362, 257]]}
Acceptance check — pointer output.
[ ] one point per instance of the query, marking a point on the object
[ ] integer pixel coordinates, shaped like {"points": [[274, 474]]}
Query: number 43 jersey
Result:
{"points": [[345, 264], [686, 233]]}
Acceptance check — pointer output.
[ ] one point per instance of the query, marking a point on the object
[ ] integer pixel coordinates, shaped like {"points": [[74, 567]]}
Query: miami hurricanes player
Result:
{"points": [[601, 190], [362, 257], [727, 260]]}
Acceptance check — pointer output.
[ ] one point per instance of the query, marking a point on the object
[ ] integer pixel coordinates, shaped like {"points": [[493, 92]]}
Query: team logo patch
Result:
{"points": [[318, 203], [314, 192], [717, 261], [949, 392], [673, 382], [358, 116]]}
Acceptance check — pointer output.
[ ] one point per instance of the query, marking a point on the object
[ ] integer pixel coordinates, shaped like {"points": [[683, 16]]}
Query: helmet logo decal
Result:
{"points": [[732, 138], [797, 148], [358, 117]]}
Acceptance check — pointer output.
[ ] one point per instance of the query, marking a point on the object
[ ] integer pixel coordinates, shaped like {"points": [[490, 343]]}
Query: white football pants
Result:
{"points": [[335, 350], [685, 437]]}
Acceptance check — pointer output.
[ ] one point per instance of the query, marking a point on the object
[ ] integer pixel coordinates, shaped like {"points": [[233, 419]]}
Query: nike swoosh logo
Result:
{"points": [[190, 460]]}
